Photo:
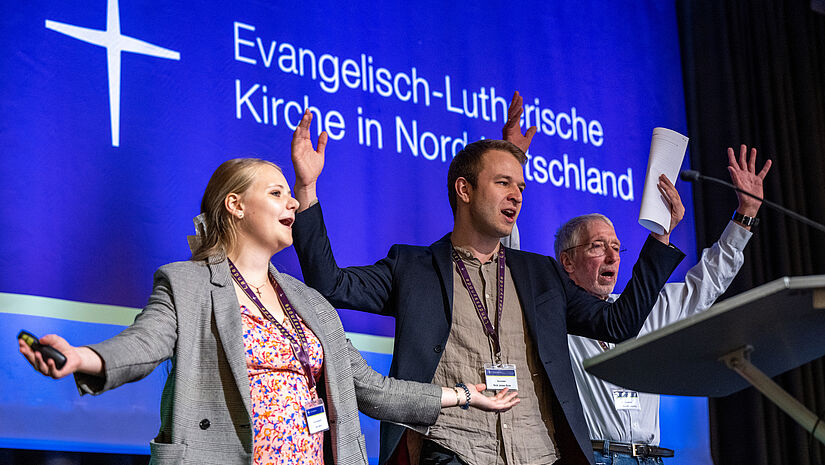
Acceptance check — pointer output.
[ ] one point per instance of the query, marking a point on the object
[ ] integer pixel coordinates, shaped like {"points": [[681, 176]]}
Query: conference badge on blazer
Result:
{"points": [[316, 415], [500, 376]]}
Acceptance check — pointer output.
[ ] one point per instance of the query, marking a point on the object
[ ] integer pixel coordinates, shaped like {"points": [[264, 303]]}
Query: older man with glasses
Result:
{"points": [[624, 424]]}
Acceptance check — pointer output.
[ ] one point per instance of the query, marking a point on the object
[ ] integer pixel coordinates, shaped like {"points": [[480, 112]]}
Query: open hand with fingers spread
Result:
{"points": [[511, 132], [744, 176], [307, 161]]}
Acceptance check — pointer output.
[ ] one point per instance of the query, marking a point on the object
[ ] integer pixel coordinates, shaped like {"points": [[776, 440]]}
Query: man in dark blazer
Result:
{"points": [[417, 285]]}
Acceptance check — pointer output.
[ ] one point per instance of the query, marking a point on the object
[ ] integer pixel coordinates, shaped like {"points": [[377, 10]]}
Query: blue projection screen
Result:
{"points": [[116, 113]]}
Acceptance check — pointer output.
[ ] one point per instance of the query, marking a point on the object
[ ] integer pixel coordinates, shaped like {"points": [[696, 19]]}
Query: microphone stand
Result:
{"points": [[691, 176]]}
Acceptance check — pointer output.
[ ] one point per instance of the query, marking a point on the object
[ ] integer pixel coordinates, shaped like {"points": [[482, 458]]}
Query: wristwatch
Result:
{"points": [[745, 220]]}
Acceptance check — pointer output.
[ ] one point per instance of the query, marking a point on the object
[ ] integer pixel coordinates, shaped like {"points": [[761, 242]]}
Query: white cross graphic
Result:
{"points": [[114, 42]]}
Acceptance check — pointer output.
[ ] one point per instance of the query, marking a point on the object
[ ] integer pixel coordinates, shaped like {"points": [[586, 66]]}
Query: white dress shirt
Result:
{"points": [[703, 284]]}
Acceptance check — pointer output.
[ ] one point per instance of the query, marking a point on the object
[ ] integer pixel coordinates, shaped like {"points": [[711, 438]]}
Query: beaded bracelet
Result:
{"points": [[466, 393]]}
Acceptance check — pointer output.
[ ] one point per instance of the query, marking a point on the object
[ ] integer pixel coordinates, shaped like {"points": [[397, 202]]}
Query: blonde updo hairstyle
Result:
{"points": [[217, 232]]}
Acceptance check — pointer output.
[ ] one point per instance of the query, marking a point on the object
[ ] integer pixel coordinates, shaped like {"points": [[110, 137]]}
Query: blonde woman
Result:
{"points": [[262, 371]]}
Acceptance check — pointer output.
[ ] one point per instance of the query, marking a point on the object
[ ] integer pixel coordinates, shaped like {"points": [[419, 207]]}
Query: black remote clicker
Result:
{"points": [[47, 352]]}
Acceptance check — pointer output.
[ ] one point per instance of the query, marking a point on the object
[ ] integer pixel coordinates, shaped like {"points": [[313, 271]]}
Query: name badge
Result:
{"points": [[626, 400], [502, 376], [316, 415]]}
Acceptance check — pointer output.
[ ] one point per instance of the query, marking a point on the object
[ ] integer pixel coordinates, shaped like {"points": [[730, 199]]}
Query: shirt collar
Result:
{"points": [[466, 255]]}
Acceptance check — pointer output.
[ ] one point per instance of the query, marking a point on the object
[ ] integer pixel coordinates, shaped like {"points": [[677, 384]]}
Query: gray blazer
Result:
{"points": [[193, 318]]}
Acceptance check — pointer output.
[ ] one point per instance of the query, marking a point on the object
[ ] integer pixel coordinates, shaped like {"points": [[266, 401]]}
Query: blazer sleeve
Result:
{"points": [[365, 288], [704, 282], [138, 349], [390, 399], [376, 395], [621, 320]]}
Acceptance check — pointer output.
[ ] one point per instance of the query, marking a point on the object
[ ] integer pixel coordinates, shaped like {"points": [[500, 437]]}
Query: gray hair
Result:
{"points": [[570, 233]]}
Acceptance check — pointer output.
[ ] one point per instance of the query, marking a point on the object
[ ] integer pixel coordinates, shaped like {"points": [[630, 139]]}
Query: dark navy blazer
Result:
{"points": [[414, 284]]}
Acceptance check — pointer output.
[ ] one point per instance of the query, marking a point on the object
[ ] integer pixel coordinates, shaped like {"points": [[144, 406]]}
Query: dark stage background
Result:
{"points": [[754, 73]]}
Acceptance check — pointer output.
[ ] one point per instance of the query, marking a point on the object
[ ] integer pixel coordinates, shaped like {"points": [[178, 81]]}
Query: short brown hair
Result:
{"points": [[218, 233], [467, 163]]}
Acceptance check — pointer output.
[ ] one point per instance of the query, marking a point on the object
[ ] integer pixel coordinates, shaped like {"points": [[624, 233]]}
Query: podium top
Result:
{"points": [[783, 320]]}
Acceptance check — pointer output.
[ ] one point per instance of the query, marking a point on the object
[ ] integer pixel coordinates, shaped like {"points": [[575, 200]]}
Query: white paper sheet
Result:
{"points": [[667, 150]]}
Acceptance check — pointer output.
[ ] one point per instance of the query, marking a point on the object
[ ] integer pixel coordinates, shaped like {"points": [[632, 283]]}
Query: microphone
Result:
{"points": [[695, 176], [690, 176]]}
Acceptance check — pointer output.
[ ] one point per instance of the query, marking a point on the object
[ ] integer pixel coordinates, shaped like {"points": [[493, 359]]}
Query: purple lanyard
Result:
{"points": [[481, 309], [300, 346]]}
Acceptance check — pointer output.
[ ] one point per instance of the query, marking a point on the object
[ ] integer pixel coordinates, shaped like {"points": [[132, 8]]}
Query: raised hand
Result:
{"points": [[674, 202], [744, 176], [306, 161], [511, 131]]}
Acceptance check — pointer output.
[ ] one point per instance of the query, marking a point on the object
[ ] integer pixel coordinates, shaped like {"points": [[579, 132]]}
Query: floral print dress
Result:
{"points": [[279, 392]]}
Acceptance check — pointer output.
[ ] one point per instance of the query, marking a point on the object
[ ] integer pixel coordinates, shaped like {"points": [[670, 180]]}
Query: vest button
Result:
{"points": [[205, 424], [437, 349]]}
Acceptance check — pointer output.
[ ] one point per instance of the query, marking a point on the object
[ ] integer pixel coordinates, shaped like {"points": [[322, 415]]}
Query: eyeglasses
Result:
{"points": [[598, 248]]}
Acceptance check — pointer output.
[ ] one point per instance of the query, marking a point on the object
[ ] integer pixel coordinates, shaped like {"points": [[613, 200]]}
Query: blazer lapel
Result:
{"points": [[302, 308], [521, 279], [228, 321], [309, 315], [442, 250]]}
